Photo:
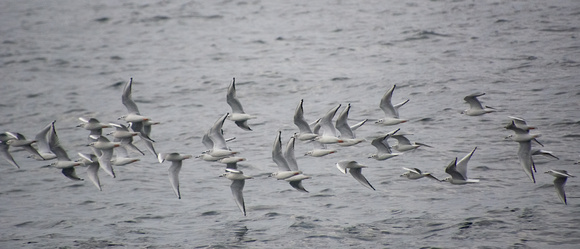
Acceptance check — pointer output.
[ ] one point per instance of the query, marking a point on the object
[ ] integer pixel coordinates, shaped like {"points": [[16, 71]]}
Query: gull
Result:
{"points": [[391, 111], [384, 151], [220, 149], [306, 133], [286, 171], [105, 148], [125, 137], [208, 143], [346, 132], [521, 135], [403, 144], [525, 149], [137, 122], [93, 125], [92, 163], [458, 170], [133, 111], [20, 141], [4, 138], [328, 131], [559, 182], [475, 107], [122, 157], [238, 115], [355, 170], [42, 144], [416, 173], [176, 160], [238, 181], [63, 162]]}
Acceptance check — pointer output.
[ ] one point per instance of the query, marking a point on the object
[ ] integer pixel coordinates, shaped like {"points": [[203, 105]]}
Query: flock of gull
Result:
{"points": [[320, 133]]}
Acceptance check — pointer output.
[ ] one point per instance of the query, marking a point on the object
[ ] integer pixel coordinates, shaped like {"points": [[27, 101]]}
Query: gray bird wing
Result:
{"points": [[127, 98], [232, 99], [277, 155], [342, 124], [174, 176], [357, 174], [299, 120], [237, 188]]}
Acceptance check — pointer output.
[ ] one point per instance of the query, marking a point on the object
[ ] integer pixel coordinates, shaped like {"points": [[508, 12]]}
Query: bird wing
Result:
{"points": [[127, 99], [216, 136], [525, 158], [342, 124], [232, 99], [357, 174], [299, 119], [326, 122], [41, 140], [298, 185], [473, 101], [237, 188], [401, 139], [451, 169], [233, 166], [289, 154], [54, 145], [277, 155], [93, 174], [6, 154], [71, 174], [386, 104], [559, 183], [381, 144], [174, 176], [105, 161], [462, 164]]}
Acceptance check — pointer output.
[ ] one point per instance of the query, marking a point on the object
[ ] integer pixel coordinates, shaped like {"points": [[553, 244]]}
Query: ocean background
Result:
{"points": [[63, 59]]}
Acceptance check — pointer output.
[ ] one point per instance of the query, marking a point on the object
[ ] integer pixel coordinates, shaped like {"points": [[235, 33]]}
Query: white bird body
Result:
{"points": [[319, 152], [281, 175]]}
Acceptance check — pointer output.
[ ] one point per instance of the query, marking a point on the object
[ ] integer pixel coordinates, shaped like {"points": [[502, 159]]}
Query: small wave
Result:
{"points": [[208, 213], [560, 29]]}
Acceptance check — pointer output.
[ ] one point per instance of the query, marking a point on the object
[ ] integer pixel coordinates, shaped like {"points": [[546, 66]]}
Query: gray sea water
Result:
{"points": [[63, 59]]}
